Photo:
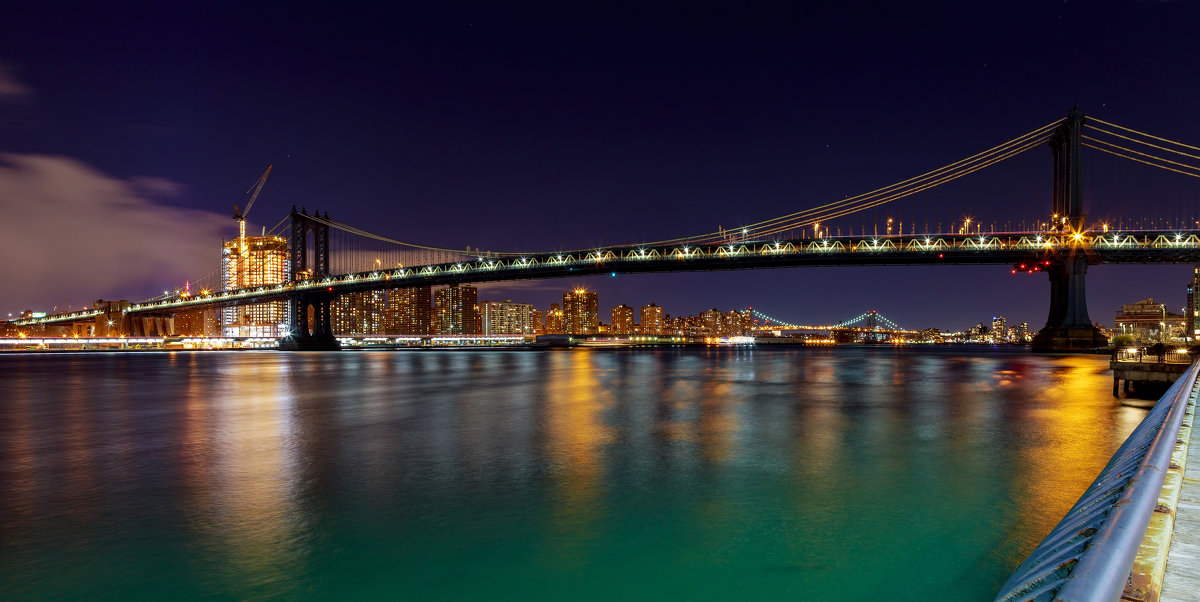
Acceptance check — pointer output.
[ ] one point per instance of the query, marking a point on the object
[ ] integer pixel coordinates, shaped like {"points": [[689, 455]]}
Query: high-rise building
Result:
{"points": [[409, 311], [506, 317], [554, 320], [539, 324], [256, 261], [456, 310], [714, 322], [622, 320], [738, 323], [358, 313], [999, 329], [672, 326], [1192, 323], [651, 319], [581, 312]]}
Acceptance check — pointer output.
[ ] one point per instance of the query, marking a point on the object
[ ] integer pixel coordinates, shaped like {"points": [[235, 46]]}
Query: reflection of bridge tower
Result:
{"points": [[1068, 326], [309, 318]]}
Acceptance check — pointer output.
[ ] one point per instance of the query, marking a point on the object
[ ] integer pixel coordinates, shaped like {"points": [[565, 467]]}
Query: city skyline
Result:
{"points": [[631, 131]]}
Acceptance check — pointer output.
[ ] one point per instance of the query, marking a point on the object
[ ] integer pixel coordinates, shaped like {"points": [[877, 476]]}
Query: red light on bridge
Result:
{"points": [[940, 256]]}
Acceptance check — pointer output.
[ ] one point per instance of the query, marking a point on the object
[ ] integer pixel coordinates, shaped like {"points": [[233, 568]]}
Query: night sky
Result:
{"points": [[127, 135]]}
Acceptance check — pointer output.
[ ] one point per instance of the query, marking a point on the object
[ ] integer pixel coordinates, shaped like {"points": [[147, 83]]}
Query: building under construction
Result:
{"points": [[255, 261]]}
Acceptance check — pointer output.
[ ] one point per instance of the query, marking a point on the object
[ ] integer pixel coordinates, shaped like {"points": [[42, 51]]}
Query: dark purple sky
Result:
{"points": [[126, 136]]}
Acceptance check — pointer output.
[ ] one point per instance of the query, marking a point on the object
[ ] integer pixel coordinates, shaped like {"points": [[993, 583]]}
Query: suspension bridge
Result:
{"points": [[329, 258]]}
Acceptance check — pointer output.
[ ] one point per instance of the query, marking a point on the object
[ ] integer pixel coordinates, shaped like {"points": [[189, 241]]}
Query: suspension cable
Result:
{"points": [[906, 193], [1160, 139], [1123, 156], [861, 202], [1129, 150], [1143, 142], [923, 177]]}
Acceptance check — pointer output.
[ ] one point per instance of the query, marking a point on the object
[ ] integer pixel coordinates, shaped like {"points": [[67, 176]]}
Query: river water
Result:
{"points": [[674, 473]]}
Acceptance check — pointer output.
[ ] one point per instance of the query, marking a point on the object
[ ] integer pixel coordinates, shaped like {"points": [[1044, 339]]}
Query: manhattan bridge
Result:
{"points": [[328, 258]]}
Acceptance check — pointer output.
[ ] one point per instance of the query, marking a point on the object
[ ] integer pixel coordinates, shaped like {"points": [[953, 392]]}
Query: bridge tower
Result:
{"points": [[316, 335], [1068, 326]]}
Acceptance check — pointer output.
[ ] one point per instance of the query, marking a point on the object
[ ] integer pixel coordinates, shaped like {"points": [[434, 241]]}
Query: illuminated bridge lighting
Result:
{"points": [[1008, 249]]}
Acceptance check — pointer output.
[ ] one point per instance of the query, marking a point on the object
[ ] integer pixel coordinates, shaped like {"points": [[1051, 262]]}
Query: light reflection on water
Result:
{"points": [[591, 474]]}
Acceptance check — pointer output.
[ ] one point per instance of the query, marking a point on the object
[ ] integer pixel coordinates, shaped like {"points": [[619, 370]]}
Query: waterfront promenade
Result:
{"points": [[1182, 579]]}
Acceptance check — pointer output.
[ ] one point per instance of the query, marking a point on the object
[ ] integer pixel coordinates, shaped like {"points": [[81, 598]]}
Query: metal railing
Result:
{"points": [[1146, 355], [1089, 554]]}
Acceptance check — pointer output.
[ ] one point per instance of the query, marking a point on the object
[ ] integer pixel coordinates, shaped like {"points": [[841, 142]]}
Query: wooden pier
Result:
{"points": [[1154, 368]]}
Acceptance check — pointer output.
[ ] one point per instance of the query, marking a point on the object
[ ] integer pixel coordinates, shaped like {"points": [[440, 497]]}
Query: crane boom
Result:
{"points": [[257, 188], [240, 214]]}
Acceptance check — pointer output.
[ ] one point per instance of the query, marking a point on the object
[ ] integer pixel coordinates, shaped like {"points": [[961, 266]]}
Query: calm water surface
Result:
{"points": [[705, 474]]}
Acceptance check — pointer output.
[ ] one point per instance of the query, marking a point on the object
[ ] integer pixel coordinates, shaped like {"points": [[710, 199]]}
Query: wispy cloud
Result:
{"points": [[71, 232], [10, 88]]}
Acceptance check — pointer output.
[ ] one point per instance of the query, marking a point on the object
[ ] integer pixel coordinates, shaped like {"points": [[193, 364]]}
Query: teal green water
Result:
{"points": [[703, 474]]}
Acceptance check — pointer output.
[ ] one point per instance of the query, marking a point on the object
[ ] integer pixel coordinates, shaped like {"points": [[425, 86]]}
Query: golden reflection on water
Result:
{"points": [[717, 422], [248, 517], [1079, 434], [575, 438]]}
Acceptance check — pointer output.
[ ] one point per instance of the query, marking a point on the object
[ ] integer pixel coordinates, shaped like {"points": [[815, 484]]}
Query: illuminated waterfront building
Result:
{"points": [[999, 329], [456, 310], [539, 324], [262, 260], [554, 320], [651, 319], [692, 326], [358, 313], [199, 323], [581, 312], [409, 311], [1021, 333], [713, 321], [671, 326], [190, 323], [738, 323], [622, 320], [1146, 320], [506, 317]]}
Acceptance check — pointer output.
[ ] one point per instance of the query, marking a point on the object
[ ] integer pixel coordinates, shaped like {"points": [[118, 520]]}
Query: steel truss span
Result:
{"points": [[1008, 249]]}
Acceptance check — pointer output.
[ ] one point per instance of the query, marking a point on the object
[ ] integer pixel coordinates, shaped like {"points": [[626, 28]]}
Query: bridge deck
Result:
{"points": [[1182, 579]]}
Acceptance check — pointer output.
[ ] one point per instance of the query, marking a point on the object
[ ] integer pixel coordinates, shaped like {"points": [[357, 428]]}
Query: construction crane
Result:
{"points": [[240, 214]]}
